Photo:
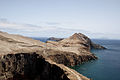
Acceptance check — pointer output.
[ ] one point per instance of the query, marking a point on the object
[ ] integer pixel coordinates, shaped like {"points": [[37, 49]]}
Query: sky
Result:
{"points": [[61, 18]]}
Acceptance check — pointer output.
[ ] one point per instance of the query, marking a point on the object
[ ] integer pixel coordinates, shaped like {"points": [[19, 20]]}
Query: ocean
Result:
{"points": [[107, 66]]}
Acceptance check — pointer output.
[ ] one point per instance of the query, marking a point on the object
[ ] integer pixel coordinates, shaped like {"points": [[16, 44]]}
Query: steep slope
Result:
{"points": [[17, 54], [73, 50], [29, 66], [83, 40], [16, 43]]}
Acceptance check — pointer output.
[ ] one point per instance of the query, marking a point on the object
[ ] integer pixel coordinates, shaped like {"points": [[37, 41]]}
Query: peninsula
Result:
{"points": [[23, 58]]}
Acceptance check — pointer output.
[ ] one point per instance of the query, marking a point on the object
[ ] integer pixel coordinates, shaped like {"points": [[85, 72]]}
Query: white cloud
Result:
{"points": [[48, 30], [37, 31]]}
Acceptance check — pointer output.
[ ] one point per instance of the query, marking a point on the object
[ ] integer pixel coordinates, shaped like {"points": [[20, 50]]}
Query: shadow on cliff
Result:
{"points": [[25, 66]]}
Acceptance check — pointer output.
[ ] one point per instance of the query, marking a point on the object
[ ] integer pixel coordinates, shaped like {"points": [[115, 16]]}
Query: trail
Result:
{"points": [[77, 76]]}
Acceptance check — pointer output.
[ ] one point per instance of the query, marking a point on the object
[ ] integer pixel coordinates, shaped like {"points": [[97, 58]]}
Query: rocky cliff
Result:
{"points": [[17, 62], [29, 66], [68, 58], [82, 39], [73, 50]]}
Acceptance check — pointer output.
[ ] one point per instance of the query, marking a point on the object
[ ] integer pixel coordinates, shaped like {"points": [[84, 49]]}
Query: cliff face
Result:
{"points": [[96, 46], [68, 58], [73, 50], [71, 59], [29, 66], [83, 40], [80, 39], [50, 65]]}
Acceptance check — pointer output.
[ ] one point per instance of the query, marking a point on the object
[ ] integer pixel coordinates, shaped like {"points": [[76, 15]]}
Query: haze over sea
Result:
{"points": [[107, 67]]}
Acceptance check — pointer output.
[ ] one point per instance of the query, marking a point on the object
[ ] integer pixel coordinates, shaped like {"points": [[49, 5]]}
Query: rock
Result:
{"points": [[55, 39], [73, 50], [70, 51], [96, 46], [26, 66], [69, 58], [84, 40], [32, 66]]}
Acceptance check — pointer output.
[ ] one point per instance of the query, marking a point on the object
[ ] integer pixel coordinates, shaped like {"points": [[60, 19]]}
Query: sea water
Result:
{"points": [[107, 67]]}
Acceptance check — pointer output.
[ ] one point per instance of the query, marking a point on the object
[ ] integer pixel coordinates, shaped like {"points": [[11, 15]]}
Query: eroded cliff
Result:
{"points": [[73, 50], [29, 66], [47, 59]]}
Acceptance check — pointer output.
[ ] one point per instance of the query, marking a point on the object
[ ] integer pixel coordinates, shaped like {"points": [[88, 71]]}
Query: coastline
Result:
{"points": [[69, 52]]}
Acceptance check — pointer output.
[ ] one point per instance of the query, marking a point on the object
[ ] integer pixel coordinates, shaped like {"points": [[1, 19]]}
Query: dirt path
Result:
{"points": [[77, 76]]}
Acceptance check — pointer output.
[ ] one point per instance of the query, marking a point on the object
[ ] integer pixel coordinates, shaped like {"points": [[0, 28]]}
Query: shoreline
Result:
{"points": [[69, 52]]}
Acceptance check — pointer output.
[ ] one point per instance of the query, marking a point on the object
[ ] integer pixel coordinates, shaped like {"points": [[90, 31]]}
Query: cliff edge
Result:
{"points": [[73, 50], [23, 58]]}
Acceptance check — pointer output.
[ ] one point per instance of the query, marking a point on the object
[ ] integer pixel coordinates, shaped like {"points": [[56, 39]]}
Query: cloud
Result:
{"points": [[37, 31], [53, 23], [3, 20], [48, 30]]}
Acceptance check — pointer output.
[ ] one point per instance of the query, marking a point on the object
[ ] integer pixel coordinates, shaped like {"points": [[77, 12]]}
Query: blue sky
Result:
{"points": [[61, 18]]}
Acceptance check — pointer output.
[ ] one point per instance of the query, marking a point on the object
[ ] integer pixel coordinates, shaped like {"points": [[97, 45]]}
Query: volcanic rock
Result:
{"points": [[23, 58], [73, 50], [26, 66], [55, 39]]}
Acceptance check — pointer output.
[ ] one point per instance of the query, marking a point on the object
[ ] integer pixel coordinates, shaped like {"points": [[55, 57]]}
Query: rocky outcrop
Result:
{"points": [[71, 59], [68, 58], [84, 40], [32, 66], [73, 50], [29, 66], [55, 39], [70, 51], [96, 46]]}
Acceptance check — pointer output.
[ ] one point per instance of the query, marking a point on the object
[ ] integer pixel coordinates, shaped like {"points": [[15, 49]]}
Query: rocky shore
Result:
{"points": [[23, 58], [73, 50]]}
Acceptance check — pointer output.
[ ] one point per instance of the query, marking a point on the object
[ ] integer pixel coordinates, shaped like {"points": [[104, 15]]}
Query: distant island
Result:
{"points": [[55, 39], [23, 58]]}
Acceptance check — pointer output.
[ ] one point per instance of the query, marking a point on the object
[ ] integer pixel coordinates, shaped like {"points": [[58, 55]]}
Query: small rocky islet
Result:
{"points": [[23, 58]]}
